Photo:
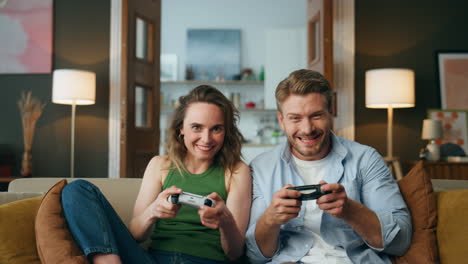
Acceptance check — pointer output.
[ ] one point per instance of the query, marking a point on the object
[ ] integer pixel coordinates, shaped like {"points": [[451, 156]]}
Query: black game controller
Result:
{"points": [[190, 199], [309, 192]]}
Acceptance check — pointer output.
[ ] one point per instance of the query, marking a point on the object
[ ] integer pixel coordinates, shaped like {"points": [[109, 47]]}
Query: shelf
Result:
{"points": [[213, 82]]}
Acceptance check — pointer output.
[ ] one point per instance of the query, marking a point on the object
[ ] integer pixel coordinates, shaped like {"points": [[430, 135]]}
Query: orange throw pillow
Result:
{"points": [[54, 241], [416, 188]]}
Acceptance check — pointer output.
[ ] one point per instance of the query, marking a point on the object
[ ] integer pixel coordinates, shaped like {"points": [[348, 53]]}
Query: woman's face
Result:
{"points": [[203, 131]]}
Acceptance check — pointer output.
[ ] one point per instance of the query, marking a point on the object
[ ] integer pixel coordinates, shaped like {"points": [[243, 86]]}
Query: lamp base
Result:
{"points": [[433, 151]]}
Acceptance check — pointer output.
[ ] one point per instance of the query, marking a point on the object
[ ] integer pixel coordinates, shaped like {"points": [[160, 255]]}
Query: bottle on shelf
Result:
{"points": [[261, 75]]}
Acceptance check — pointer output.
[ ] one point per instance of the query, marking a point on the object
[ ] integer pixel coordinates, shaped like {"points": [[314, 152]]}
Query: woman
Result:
{"points": [[203, 158]]}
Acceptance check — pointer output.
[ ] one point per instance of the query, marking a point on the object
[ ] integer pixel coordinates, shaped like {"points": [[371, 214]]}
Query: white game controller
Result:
{"points": [[190, 199]]}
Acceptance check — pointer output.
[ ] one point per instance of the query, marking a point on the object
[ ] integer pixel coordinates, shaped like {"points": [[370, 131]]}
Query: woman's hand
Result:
{"points": [[161, 207], [214, 217]]}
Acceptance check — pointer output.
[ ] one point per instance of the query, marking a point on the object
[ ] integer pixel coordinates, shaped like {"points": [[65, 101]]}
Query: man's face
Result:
{"points": [[306, 121]]}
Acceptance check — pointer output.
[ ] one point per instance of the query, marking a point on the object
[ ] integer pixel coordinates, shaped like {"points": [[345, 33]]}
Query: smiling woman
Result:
{"points": [[204, 159]]}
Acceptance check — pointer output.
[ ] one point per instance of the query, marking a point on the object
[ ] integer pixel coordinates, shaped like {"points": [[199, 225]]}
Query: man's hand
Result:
{"points": [[334, 203], [283, 207], [361, 219]]}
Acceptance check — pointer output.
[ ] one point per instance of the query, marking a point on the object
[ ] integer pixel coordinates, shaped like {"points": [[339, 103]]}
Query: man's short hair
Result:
{"points": [[303, 82]]}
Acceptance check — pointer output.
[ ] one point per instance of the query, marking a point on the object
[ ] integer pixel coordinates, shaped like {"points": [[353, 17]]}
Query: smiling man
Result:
{"points": [[363, 218]]}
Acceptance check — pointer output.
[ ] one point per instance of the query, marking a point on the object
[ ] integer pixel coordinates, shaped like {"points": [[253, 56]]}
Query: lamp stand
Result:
{"points": [[72, 155], [393, 163]]}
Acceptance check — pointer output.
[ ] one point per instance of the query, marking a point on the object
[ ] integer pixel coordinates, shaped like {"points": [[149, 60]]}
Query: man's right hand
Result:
{"points": [[283, 207]]}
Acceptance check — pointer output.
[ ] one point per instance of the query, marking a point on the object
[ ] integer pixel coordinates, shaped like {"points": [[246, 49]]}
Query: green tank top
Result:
{"points": [[185, 233]]}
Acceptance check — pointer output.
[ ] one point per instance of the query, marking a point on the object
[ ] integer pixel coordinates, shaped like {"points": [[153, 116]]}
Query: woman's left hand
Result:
{"points": [[213, 217]]}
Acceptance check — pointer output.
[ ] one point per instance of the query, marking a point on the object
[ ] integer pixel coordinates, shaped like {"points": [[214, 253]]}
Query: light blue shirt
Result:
{"points": [[367, 180]]}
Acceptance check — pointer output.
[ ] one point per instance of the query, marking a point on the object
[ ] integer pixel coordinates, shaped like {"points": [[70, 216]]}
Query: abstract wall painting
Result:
{"points": [[26, 36], [213, 54], [453, 79]]}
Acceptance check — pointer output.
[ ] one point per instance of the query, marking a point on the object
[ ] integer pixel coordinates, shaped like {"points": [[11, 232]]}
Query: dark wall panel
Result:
{"points": [[81, 41], [404, 34]]}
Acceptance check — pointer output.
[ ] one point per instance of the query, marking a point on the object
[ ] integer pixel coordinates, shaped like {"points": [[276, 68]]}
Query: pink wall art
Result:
{"points": [[25, 36]]}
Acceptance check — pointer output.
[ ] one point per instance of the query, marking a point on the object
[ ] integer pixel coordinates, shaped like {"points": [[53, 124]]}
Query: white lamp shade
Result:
{"points": [[73, 86], [432, 129], [387, 88]]}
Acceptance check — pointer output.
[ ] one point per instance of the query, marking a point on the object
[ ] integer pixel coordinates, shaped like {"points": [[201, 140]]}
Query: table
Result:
{"points": [[445, 170]]}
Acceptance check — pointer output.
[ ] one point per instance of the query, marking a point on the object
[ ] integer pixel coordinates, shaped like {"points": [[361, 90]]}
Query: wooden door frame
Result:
{"points": [[343, 72]]}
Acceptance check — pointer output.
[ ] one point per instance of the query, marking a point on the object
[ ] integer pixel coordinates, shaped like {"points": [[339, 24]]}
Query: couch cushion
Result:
{"points": [[121, 193], [55, 243], [452, 227], [7, 197], [17, 240], [416, 189]]}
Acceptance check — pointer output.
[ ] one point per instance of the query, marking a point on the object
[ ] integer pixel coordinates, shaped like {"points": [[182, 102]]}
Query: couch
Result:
{"points": [[452, 205]]}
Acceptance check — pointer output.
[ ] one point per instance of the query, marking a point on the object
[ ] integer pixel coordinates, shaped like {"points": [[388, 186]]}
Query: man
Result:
{"points": [[363, 220]]}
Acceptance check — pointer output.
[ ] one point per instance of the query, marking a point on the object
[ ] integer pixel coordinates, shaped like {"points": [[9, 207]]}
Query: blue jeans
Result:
{"points": [[97, 228]]}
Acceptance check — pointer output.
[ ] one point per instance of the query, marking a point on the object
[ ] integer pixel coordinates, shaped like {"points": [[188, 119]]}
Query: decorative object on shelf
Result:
{"points": [[453, 77], [247, 75], [390, 88], [26, 30], [189, 73], [168, 67], [454, 126], [207, 64], [432, 130], [30, 109], [261, 75], [73, 87]]}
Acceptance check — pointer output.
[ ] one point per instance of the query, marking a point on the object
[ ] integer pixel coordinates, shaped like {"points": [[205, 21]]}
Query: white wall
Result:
{"points": [[252, 17]]}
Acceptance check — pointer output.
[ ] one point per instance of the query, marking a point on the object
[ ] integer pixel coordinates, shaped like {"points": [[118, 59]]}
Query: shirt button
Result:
{"points": [[299, 228], [306, 245]]}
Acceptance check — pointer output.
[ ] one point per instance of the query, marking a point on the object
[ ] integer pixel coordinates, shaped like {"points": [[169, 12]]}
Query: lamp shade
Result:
{"points": [[432, 129], [73, 86], [390, 88]]}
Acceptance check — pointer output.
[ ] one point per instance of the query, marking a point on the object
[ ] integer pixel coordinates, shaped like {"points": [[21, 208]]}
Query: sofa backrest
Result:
{"points": [[121, 193]]}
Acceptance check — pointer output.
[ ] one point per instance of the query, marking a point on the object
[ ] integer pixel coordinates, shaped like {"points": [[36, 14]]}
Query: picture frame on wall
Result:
{"points": [[454, 126], [452, 73]]}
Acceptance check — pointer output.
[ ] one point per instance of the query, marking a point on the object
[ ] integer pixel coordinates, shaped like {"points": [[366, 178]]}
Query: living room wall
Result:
{"points": [[80, 41], [404, 34]]}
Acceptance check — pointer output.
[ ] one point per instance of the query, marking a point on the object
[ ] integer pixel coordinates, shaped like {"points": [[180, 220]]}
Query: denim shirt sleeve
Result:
{"points": [[381, 194], [259, 205]]}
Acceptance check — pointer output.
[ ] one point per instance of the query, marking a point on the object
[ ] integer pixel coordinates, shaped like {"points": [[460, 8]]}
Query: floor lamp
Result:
{"points": [[390, 88], [73, 87]]}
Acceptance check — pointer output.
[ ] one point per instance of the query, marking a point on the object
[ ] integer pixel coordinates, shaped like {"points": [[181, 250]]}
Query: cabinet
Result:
{"points": [[445, 170], [253, 122]]}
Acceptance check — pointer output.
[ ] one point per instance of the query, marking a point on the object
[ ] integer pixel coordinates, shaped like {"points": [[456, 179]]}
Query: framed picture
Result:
{"points": [[213, 54], [452, 68], [168, 67], [26, 36], [454, 126]]}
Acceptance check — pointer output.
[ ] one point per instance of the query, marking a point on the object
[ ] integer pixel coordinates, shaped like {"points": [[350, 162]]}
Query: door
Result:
{"points": [[320, 37], [134, 86]]}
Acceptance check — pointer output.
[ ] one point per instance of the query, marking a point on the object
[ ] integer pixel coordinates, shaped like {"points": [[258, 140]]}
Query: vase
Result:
{"points": [[26, 164]]}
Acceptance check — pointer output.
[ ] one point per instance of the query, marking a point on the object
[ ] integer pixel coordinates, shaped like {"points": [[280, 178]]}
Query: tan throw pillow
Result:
{"points": [[17, 241], [416, 188], [55, 243], [452, 228]]}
